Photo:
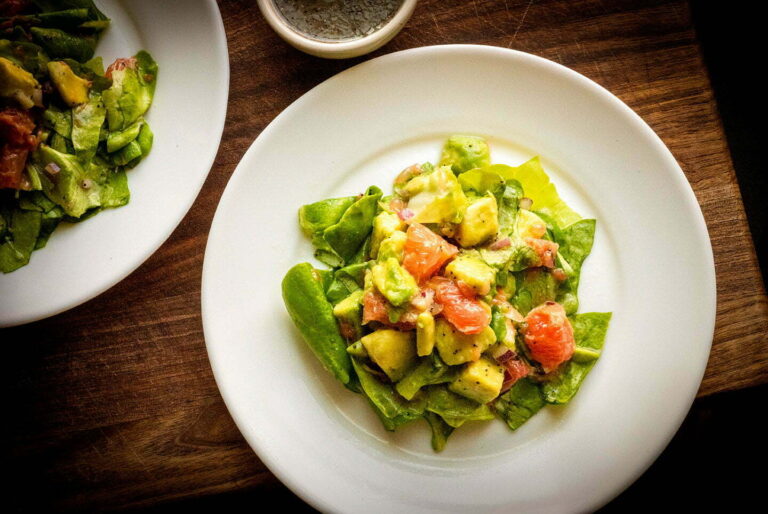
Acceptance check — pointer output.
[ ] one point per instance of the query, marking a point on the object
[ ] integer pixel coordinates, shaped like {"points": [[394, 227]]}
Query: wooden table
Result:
{"points": [[113, 404]]}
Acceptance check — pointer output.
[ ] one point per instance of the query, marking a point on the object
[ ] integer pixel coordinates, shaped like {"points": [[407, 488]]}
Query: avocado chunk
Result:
{"points": [[583, 354], [18, 84], [435, 197], [480, 381], [394, 282], [73, 89], [480, 223], [462, 153], [529, 224], [349, 314], [393, 351], [473, 272], [455, 347], [384, 225], [393, 246], [425, 333], [357, 349]]}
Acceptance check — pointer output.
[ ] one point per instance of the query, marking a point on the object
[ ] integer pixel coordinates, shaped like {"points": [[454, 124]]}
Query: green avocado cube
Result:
{"points": [[73, 89], [473, 272], [384, 225], [425, 334], [480, 381], [348, 312], [393, 351], [393, 246], [394, 282], [456, 347], [480, 223], [462, 153]]}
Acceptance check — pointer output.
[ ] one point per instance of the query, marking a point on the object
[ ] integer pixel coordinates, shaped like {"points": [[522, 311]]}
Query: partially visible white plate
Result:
{"points": [[187, 40], [651, 265]]}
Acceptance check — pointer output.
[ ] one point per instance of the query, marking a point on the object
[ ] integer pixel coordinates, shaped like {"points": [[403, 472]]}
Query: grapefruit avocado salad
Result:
{"points": [[453, 299], [69, 128]]}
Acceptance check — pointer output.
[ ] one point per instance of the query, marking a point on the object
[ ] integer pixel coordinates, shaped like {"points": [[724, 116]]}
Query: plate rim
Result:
{"points": [[703, 241]]}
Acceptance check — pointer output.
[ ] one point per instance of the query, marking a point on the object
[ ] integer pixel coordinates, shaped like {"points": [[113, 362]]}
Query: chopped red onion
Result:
{"points": [[405, 214], [52, 168], [526, 203], [506, 356], [501, 243]]}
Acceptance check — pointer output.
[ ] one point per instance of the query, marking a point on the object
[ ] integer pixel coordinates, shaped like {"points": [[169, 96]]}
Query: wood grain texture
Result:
{"points": [[113, 404]]}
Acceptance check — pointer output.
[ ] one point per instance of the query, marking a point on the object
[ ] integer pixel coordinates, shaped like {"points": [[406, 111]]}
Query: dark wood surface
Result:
{"points": [[113, 403]]}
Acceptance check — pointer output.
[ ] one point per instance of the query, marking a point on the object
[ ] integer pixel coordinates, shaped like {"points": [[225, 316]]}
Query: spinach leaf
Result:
{"points": [[390, 406], [520, 403], [117, 140], [431, 370], [59, 44], [60, 5], [19, 239], [131, 92], [575, 245], [59, 121], [75, 189], [534, 287], [29, 56], [346, 281], [51, 214], [440, 430], [347, 235], [114, 189], [304, 299], [455, 409], [509, 205], [87, 119]]}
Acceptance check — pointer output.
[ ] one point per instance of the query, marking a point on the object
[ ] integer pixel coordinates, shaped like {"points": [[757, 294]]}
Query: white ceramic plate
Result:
{"points": [[187, 40], [651, 265]]}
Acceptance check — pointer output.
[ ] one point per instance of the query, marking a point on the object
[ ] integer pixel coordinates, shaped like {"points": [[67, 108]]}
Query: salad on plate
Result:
{"points": [[453, 299], [69, 129]]}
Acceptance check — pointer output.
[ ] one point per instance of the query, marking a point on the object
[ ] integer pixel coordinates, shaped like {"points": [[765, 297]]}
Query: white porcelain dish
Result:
{"points": [[187, 40], [651, 265], [336, 49]]}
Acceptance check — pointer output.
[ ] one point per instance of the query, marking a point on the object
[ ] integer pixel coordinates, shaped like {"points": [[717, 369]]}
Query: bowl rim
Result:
{"points": [[336, 49]]}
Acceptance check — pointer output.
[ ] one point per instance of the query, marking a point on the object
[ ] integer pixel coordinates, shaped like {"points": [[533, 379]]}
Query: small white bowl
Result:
{"points": [[334, 49]]}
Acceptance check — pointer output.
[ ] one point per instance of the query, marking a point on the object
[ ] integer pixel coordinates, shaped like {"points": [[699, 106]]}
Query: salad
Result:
{"points": [[69, 129], [454, 299]]}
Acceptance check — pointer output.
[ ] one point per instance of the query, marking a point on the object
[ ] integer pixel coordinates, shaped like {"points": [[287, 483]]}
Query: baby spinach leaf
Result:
{"points": [[431, 370], [131, 92], [87, 119], [390, 405], [312, 314], [520, 403], [534, 287], [440, 430], [455, 409], [19, 239], [59, 44], [575, 245], [346, 236]]}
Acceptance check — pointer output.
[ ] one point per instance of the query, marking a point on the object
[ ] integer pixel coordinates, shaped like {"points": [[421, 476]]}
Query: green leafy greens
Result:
{"points": [[93, 126], [386, 334]]}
